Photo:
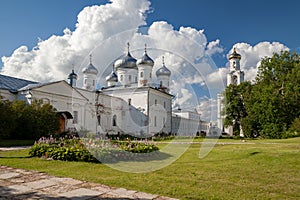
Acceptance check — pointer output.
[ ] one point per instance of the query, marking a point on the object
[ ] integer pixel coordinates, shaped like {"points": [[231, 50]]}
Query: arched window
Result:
{"points": [[142, 74], [114, 121]]}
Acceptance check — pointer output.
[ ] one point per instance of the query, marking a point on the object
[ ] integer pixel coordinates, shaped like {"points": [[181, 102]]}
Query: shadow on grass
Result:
{"points": [[124, 156], [241, 157]]}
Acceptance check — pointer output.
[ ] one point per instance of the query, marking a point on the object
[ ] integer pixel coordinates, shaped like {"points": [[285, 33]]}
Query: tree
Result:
{"points": [[272, 103], [235, 108], [7, 119], [34, 120]]}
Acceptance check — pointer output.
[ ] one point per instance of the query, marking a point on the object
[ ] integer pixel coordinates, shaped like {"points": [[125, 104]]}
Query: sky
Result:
{"points": [[40, 40]]}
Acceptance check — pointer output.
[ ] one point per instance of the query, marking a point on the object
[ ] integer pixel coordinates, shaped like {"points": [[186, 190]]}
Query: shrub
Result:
{"points": [[76, 149]]}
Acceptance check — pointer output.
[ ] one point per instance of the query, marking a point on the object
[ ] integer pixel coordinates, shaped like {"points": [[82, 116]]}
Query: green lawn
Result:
{"points": [[256, 169]]}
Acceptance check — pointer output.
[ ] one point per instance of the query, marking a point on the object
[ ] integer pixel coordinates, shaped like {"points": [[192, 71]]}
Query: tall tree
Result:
{"points": [[272, 103]]}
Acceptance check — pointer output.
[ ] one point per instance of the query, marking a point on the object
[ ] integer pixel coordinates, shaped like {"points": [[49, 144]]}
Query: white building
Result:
{"points": [[130, 103]]}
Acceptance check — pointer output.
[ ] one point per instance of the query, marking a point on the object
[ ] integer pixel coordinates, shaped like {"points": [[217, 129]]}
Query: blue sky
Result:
{"points": [[23, 22]]}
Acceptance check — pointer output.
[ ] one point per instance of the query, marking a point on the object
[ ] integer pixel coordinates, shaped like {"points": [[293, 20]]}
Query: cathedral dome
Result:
{"points": [[234, 55], [163, 71], [112, 77], [126, 61], [90, 69], [145, 60]]}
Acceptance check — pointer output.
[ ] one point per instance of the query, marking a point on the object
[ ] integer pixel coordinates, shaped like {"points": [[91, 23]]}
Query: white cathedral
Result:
{"points": [[130, 103]]}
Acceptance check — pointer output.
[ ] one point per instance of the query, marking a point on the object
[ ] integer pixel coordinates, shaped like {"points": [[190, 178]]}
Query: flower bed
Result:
{"points": [[91, 150]]}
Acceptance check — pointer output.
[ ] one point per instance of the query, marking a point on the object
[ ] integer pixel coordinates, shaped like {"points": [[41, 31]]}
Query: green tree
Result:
{"points": [[272, 103], [235, 107], [7, 119], [34, 120]]}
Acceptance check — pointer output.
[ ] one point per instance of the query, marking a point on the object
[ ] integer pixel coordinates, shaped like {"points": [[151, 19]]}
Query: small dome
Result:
{"points": [[163, 70], [234, 55], [145, 60], [90, 69], [126, 61], [72, 75], [112, 77]]}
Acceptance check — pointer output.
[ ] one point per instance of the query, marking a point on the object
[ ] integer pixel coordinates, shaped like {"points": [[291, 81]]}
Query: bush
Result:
{"points": [[76, 149]]}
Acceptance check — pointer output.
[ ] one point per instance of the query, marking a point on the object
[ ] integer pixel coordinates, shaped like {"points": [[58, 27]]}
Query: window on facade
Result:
{"points": [[150, 75], [160, 83], [142, 74], [129, 101], [155, 121], [93, 82], [135, 79], [75, 117], [129, 78], [164, 104], [164, 121], [114, 122], [121, 78], [155, 101], [85, 81]]}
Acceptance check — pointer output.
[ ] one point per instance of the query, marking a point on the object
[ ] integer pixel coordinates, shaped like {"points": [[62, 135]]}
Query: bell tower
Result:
{"points": [[235, 75]]}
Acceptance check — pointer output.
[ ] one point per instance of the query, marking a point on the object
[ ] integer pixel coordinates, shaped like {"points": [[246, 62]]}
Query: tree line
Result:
{"points": [[270, 106], [19, 120]]}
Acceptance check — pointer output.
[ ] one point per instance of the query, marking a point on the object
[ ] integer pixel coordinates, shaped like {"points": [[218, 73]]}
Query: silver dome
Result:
{"points": [[112, 77], [90, 69], [145, 60], [126, 62], [163, 70]]}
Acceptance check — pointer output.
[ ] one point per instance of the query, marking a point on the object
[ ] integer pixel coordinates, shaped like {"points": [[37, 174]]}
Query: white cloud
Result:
{"points": [[252, 55]]}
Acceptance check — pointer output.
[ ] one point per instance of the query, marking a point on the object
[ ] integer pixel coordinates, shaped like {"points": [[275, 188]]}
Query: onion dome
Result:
{"points": [[234, 55], [90, 69], [126, 62], [112, 77], [163, 71], [145, 60], [72, 75]]}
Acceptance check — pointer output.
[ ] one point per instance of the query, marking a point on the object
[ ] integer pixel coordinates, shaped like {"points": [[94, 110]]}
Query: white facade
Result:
{"points": [[185, 123]]}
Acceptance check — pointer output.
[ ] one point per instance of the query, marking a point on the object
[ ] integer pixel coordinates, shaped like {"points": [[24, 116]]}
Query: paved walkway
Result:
{"points": [[25, 184]]}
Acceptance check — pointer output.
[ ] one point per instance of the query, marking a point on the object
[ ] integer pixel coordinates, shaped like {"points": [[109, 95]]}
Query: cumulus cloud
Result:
{"points": [[104, 31], [252, 55]]}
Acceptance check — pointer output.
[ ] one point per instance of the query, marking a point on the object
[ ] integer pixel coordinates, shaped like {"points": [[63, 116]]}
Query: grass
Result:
{"points": [[257, 169]]}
